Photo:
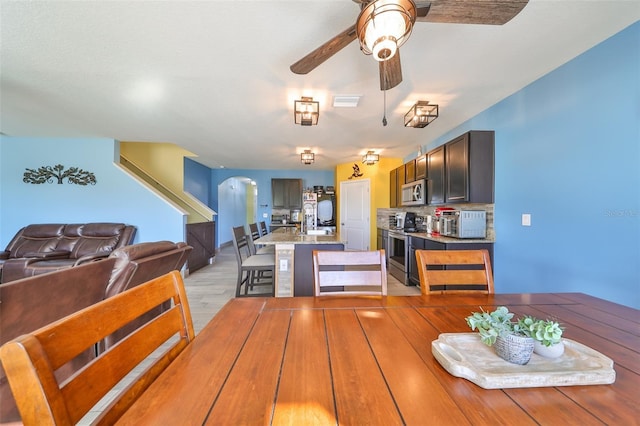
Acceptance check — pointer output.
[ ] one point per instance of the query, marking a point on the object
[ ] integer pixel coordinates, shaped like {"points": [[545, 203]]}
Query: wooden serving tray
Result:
{"points": [[464, 355]]}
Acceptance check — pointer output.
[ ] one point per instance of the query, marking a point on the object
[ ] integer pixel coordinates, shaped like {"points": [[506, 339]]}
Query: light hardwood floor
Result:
{"points": [[209, 288]]}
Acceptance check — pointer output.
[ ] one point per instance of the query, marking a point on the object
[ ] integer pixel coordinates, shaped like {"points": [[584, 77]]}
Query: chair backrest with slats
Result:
{"points": [[263, 228], [255, 232], [241, 243], [30, 361], [349, 273], [460, 271]]}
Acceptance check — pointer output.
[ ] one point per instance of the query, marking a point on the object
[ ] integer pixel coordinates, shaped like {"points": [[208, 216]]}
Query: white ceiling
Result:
{"points": [[213, 76]]}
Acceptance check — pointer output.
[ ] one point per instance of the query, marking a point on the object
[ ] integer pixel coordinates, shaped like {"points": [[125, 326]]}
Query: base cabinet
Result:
{"points": [[416, 243], [382, 243], [303, 267]]}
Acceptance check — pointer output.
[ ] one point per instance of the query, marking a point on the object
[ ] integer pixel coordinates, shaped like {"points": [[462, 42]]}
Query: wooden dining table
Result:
{"points": [[368, 361]]}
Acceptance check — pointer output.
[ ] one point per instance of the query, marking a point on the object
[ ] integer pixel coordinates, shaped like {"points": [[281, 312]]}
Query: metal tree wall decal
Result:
{"points": [[51, 174]]}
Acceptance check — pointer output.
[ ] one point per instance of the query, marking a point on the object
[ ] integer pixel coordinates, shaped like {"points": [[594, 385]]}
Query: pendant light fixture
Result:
{"points": [[421, 114], [306, 111], [307, 157], [370, 158]]}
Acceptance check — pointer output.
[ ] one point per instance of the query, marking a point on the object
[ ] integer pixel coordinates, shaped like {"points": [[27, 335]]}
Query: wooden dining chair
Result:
{"points": [[31, 360], [460, 271], [338, 273], [253, 269]]}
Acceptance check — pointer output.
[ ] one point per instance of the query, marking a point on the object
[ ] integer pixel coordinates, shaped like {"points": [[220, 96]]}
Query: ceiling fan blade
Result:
{"points": [[489, 12], [390, 72], [324, 52]]}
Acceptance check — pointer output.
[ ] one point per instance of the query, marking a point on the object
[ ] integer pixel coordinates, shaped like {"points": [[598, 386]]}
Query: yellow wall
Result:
{"points": [[378, 174], [163, 161], [164, 164]]}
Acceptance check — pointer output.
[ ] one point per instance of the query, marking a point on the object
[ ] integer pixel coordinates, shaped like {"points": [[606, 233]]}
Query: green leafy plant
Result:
{"points": [[547, 332], [490, 325]]}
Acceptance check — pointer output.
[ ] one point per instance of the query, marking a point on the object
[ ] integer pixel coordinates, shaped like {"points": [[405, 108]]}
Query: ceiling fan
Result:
{"points": [[374, 14]]}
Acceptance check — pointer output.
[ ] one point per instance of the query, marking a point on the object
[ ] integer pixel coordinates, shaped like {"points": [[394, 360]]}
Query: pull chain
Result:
{"points": [[384, 80]]}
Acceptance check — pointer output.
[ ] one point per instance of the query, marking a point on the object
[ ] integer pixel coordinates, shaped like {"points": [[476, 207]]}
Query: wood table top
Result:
{"points": [[354, 361]]}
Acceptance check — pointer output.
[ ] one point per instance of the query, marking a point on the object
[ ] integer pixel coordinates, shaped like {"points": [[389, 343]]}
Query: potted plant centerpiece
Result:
{"points": [[497, 329], [546, 333]]}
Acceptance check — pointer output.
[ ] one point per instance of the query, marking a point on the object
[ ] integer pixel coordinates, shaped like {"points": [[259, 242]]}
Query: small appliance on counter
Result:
{"points": [[296, 216], [410, 222], [435, 220], [400, 216], [463, 223], [310, 209]]}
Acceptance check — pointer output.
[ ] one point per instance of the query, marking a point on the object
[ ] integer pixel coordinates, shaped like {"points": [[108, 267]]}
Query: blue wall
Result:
{"points": [[568, 153], [116, 197], [194, 173]]}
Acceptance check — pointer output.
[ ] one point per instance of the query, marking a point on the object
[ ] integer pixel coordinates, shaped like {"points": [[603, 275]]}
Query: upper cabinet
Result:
{"points": [[421, 167], [286, 193], [469, 166], [396, 180], [435, 176], [410, 171], [460, 171]]}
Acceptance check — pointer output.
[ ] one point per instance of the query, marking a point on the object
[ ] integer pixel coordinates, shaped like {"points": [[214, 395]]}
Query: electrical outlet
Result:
{"points": [[284, 265], [264, 215], [526, 219]]}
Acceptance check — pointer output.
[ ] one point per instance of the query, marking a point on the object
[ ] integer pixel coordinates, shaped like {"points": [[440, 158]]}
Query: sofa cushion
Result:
{"points": [[95, 238], [36, 239]]}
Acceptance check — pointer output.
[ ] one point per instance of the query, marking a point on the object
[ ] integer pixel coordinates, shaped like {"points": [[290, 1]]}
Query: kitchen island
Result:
{"points": [[294, 266]]}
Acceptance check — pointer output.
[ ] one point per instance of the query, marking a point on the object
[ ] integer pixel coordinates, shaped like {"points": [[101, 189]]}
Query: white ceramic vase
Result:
{"points": [[553, 351]]}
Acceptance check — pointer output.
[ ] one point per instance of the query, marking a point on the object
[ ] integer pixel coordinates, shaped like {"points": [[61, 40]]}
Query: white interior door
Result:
{"points": [[355, 215]]}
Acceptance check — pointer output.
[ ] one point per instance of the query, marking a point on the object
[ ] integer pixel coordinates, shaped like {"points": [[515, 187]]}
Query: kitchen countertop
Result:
{"points": [[440, 239], [291, 235]]}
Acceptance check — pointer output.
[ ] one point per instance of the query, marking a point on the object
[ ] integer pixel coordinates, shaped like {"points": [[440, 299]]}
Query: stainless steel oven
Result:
{"points": [[398, 248]]}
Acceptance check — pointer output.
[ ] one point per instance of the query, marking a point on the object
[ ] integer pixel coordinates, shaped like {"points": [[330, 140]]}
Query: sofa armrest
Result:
{"points": [[59, 254], [4, 254], [90, 258]]}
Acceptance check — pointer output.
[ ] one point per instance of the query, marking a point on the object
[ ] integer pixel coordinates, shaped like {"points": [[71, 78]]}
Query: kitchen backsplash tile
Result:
{"points": [[382, 217]]}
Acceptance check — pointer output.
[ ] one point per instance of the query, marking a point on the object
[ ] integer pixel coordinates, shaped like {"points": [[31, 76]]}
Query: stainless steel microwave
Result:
{"points": [[413, 194]]}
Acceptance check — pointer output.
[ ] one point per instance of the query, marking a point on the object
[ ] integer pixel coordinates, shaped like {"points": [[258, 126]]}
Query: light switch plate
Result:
{"points": [[284, 265], [526, 219]]}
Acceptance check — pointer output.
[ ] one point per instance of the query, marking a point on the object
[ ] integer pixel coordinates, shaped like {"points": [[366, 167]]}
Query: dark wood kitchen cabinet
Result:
{"points": [[382, 242], [396, 180], [286, 193], [393, 188], [421, 167], [469, 168], [410, 171], [416, 243], [399, 183], [435, 176]]}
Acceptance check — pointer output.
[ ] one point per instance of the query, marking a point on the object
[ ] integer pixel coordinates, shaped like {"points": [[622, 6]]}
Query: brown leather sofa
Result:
{"points": [[137, 264], [41, 248], [30, 303]]}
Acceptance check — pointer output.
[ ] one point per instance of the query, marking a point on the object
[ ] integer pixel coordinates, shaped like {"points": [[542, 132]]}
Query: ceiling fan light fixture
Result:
{"points": [[306, 111], [370, 158], [384, 25], [307, 157], [421, 114]]}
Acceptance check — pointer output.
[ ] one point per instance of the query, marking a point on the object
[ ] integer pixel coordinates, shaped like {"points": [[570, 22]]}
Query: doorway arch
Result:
{"points": [[237, 205]]}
